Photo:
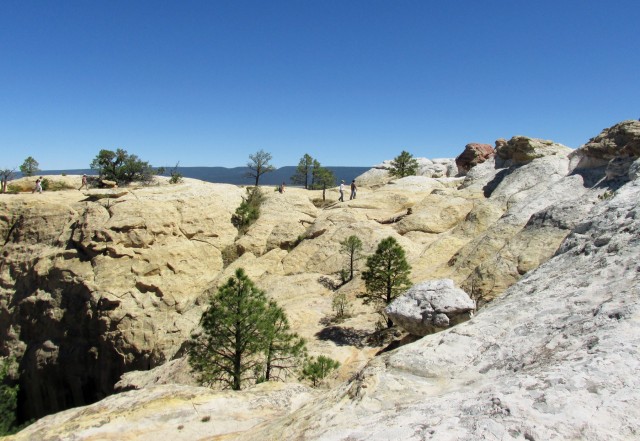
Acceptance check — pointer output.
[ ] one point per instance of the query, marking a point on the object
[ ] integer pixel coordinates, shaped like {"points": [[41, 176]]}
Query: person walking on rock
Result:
{"points": [[84, 182], [353, 189], [38, 187], [341, 191]]}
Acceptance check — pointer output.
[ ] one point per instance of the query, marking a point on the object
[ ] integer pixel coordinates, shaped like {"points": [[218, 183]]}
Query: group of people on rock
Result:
{"points": [[354, 190]]}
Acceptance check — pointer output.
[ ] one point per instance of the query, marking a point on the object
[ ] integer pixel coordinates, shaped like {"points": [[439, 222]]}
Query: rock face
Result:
{"points": [[550, 359], [473, 155], [430, 307]]}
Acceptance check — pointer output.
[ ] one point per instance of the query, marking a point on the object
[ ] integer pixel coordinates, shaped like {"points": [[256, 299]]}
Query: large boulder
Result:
{"points": [[430, 307], [522, 150], [615, 147], [473, 155]]}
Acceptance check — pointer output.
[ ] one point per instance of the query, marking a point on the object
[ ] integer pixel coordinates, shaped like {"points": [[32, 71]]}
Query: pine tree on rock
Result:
{"points": [[404, 165], [387, 275], [244, 338]]}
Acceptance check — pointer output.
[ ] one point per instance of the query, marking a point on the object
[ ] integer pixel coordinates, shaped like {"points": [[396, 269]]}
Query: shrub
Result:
{"points": [[316, 369], [8, 398], [341, 305], [249, 210]]}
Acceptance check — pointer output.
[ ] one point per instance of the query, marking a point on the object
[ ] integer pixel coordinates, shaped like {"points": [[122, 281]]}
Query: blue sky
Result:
{"points": [[351, 83]]}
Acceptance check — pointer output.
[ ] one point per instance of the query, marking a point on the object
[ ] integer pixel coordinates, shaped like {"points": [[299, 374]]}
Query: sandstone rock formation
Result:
{"points": [[430, 168], [92, 286], [188, 413], [430, 307], [550, 359], [473, 155]]}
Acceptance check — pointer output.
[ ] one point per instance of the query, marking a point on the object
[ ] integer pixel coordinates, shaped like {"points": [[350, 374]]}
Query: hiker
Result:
{"points": [[281, 189], [84, 182], [38, 187], [341, 191], [353, 189]]}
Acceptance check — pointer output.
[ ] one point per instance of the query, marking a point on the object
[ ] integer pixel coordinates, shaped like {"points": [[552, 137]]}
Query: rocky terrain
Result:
{"points": [[543, 238]]}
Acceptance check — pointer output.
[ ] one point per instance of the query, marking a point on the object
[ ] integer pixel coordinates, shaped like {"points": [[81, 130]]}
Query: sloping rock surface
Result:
{"points": [[551, 359]]}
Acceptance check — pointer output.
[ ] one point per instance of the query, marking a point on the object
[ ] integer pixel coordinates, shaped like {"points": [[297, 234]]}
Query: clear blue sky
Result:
{"points": [[353, 82]]}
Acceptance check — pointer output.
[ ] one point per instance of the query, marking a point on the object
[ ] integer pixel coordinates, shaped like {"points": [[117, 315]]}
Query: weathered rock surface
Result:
{"points": [[473, 154], [92, 287], [188, 413], [522, 150], [621, 140], [430, 168], [550, 359], [430, 307]]}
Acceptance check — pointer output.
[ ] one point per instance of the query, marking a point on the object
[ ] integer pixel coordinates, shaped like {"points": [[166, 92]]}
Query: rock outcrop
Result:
{"points": [[429, 307], [431, 168], [92, 287], [550, 359], [473, 155]]}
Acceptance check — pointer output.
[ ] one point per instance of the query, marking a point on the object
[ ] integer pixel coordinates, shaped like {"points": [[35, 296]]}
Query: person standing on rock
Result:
{"points": [[84, 182], [341, 191], [353, 189]]}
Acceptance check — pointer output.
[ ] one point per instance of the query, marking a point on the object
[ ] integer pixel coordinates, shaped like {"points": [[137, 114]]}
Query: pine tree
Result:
{"points": [[315, 369], [321, 178], [29, 167], [387, 274], [285, 350], [303, 171], [245, 337], [259, 165], [404, 165], [352, 246]]}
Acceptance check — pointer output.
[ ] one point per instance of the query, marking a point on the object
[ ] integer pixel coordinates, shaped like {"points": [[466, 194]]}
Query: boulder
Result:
{"points": [[522, 150], [620, 140], [430, 307], [473, 155]]}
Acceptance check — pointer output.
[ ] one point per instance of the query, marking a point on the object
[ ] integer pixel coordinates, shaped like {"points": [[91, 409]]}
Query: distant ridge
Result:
{"points": [[235, 175]]}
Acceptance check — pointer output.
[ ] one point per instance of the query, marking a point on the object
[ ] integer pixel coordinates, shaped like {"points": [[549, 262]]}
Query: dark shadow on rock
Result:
{"points": [[344, 336], [493, 184]]}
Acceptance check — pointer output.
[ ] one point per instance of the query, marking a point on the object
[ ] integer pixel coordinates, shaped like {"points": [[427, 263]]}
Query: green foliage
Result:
{"points": [[122, 167], [244, 338], [404, 165], [322, 178], [6, 175], [285, 350], [352, 247], [8, 398], [29, 167], [175, 177], [258, 165], [303, 171], [249, 210], [340, 305], [387, 274], [316, 369], [45, 184]]}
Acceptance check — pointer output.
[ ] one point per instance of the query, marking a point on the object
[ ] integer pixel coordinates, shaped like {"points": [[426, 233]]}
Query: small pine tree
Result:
{"points": [[404, 165], [249, 210], [340, 305], [387, 274], [233, 328], [244, 338], [303, 171], [316, 369], [284, 350], [351, 246], [321, 178]]}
